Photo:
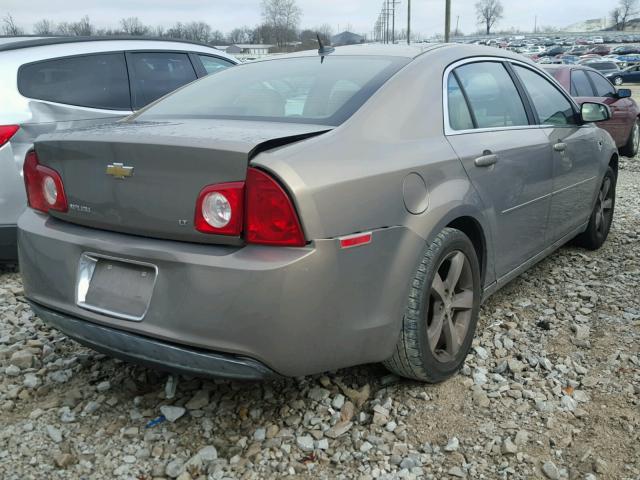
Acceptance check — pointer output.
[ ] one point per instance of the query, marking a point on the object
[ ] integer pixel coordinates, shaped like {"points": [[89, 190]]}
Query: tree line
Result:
{"points": [[280, 27]]}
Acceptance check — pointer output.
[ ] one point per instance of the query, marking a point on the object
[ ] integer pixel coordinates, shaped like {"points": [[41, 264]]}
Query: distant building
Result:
{"points": [[592, 25], [247, 50], [346, 38]]}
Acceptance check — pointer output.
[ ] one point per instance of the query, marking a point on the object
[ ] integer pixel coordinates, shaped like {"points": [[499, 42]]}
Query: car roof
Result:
{"points": [[407, 51], [15, 43]]}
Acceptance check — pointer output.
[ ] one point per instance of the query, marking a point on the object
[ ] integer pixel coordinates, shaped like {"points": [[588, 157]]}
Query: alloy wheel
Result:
{"points": [[450, 306], [618, 81], [604, 207], [636, 137]]}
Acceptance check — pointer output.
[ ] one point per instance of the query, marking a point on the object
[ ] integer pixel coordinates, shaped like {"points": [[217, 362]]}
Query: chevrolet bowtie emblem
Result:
{"points": [[118, 170]]}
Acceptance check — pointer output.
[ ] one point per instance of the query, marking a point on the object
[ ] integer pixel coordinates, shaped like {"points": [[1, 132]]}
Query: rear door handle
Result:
{"points": [[486, 160], [560, 147]]}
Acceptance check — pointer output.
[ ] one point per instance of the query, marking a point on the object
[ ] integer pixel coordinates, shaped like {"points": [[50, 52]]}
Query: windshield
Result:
{"points": [[301, 90]]}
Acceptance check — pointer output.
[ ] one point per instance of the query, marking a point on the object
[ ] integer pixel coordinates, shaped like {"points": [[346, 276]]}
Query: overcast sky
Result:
{"points": [[360, 15]]}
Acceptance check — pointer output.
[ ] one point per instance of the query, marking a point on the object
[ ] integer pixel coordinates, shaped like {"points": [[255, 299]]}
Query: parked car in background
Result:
{"points": [[588, 85], [553, 51], [600, 50], [578, 50], [627, 75], [625, 50], [49, 84], [604, 67], [303, 214]]}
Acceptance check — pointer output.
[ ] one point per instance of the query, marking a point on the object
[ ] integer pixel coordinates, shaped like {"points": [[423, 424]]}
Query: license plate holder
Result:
{"points": [[115, 287]]}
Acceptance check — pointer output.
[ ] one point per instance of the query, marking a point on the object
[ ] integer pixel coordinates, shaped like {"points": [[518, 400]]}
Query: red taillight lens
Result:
{"points": [[44, 186], [219, 209], [6, 132], [270, 217]]}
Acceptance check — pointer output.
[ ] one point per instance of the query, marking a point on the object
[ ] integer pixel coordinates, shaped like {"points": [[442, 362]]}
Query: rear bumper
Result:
{"points": [[8, 243], [154, 353], [297, 311]]}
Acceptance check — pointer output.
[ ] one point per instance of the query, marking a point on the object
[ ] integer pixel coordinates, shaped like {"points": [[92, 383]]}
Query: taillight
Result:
{"points": [[219, 209], [270, 217], [44, 186], [259, 204], [6, 132]]}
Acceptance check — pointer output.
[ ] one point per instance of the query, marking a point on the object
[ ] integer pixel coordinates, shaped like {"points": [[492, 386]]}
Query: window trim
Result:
{"points": [[79, 55], [448, 131]]}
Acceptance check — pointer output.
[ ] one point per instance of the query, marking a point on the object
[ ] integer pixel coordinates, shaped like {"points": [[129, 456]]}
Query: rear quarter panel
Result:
{"points": [[351, 179]]}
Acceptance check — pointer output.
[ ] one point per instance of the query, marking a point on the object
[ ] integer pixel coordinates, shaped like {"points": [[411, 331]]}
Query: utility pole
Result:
{"points": [[408, 22], [535, 25], [393, 21], [457, 32], [447, 20]]}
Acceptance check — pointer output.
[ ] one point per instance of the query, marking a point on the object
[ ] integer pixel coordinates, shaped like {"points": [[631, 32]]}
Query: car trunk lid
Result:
{"points": [[143, 178]]}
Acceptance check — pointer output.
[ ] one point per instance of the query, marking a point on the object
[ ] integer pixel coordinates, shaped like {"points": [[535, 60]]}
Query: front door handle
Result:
{"points": [[560, 147], [486, 160]]}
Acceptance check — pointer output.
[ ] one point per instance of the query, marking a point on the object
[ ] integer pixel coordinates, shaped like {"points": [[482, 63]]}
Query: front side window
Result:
{"points": [[95, 81], [552, 107], [492, 95], [154, 74], [580, 85], [604, 88], [214, 64], [300, 90]]}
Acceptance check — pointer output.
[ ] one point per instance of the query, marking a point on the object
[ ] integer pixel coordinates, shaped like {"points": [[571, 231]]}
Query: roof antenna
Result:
{"points": [[322, 50]]}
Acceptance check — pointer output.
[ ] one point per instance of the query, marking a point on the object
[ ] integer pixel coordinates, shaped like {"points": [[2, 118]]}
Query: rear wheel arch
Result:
{"points": [[472, 229]]}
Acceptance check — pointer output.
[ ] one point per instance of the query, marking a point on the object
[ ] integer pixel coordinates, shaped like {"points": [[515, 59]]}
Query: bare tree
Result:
{"points": [[197, 32], [133, 26], [627, 10], [9, 26], [326, 32], [240, 35], [44, 27], [283, 17], [615, 18], [488, 13]]}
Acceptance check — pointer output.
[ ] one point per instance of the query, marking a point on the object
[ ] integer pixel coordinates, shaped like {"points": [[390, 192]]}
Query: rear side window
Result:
{"points": [[580, 86], [604, 66], [603, 86], [154, 74], [459, 115], [95, 81], [493, 97], [213, 64], [551, 105]]}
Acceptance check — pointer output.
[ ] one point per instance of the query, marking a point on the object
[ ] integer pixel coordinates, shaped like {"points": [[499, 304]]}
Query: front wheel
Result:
{"points": [[617, 81], [602, 216], [633, 142], [442, 311]]}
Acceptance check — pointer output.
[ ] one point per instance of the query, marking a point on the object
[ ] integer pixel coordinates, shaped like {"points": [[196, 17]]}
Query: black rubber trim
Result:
{"points": [[8, 243], [155, 353]]}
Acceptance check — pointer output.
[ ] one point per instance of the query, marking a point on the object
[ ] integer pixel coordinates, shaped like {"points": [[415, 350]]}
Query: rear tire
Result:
{"points": [[633, 142], [602, 216], [442, 311], [617, 81]]}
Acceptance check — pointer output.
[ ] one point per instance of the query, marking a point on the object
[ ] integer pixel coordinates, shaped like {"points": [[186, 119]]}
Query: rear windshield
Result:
{"points": [[300, 90]]}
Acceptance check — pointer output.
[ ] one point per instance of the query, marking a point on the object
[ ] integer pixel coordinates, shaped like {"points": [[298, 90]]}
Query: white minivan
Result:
{"points": [[55, 83]]}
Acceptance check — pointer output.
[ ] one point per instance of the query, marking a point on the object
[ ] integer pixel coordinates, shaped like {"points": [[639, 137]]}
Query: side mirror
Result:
{"points": [[624, 93], [594, 112]]}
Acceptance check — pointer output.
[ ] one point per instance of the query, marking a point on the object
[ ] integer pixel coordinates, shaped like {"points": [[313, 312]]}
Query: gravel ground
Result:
{"points": [[551, 390]]}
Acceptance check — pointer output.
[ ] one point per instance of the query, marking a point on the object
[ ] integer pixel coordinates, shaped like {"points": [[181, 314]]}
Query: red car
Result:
{"points": [[588, 85]]}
